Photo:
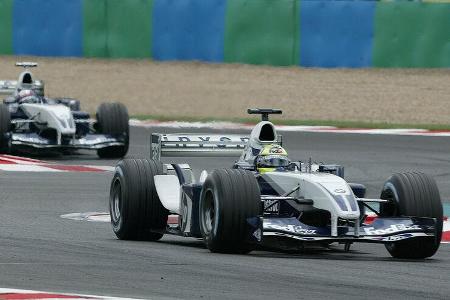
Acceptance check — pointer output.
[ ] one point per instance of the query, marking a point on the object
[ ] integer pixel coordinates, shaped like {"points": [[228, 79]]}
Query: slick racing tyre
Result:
{"points": [[134, 206], [229, 197], [112, 119], [5, 128], [413, 194]]}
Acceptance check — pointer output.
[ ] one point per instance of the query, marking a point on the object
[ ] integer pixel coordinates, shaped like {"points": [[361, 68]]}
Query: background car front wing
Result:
{"points": [[91, 141]]}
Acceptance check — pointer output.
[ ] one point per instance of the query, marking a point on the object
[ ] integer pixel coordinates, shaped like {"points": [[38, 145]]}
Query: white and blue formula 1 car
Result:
{"points": [[266, 199], [31, 122]]}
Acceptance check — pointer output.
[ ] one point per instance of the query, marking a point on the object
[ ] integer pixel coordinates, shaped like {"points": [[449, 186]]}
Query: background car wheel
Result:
{"points": [[413, 194], [112, 119], [228, 199], [5, 128], [134, 206]]}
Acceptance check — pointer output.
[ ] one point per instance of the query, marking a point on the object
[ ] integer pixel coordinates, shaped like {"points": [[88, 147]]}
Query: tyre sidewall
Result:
{"points": [[210, 187], [120, 177], [118, 180], [5, 128]]}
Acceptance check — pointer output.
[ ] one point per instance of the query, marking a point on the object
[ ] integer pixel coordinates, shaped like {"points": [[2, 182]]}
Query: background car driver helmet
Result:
{"points": [[27, 96]]}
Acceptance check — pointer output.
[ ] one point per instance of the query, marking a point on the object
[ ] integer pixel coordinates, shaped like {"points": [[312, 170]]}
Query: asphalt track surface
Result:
{"points": [[41, 251]]}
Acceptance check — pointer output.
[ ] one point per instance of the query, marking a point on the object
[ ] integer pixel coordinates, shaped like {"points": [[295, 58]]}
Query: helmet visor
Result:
{"points": [[30, 99], [272, 161]]}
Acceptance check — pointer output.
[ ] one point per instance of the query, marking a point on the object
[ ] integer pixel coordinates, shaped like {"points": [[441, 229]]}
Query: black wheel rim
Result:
{"points": [[389, 209], [208, 212], [185, 214], [116, 202]]}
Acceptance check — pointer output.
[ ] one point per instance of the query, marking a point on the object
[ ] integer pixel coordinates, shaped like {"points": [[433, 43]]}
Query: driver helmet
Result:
{"points": [[27, 96], [272, 158]]}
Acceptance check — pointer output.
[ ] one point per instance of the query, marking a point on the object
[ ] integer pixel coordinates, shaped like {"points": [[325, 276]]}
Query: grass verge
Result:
{"points": [[339, 124]]}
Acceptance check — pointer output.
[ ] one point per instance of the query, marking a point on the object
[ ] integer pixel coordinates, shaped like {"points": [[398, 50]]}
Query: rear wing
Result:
{"points": [[7, 87], [212, 145], [26, 64]]}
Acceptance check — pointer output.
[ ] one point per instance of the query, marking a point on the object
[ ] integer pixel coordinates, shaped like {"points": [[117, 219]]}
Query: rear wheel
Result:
{"points": [[135, 209], [229, 198], [413, 194], [112, 119], [5, 128]]}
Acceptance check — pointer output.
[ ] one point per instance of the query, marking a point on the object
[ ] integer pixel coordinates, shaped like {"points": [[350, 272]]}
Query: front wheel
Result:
{"points": [[228, 200], [416, 195], [113, 119], [5, 128]]}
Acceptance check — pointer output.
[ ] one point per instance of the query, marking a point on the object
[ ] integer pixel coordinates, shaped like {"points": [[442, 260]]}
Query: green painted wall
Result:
{"points": [[117, 28], [6, 7], [262, 32], [94, 28], [412, 34], [129, 28]]}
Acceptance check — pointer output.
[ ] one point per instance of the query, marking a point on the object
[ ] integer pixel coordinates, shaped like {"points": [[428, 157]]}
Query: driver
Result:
{"points": [[27, 96], [272, 158]]}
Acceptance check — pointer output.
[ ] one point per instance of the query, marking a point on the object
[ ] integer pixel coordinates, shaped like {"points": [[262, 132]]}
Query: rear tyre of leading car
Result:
{"points": [[229, 198], [413, 194], [5, 128], [113, 119], [135, 209]]}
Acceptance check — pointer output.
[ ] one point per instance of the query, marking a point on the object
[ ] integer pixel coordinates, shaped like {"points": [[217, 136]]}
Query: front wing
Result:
{"points": [[382, 230], [90, 141]]}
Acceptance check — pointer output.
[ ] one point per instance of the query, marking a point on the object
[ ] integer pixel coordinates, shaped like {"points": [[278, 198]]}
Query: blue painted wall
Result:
{"points": [[188, 30], [336, 33], [50, 27]]}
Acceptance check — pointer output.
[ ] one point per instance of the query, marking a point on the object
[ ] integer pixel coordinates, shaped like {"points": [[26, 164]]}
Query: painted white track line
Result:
{"points": [[328, 129], [12, 163], [104, 217], [88, 216], [446, 231], [7, 294], [25, 168]]}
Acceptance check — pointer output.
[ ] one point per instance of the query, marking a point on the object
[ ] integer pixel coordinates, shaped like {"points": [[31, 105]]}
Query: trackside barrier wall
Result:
{"points": [[412, 34], [262, 32], [310, 33], [38, 30], [6, 27], [336, 33], [188, 30], [95, 33], [117, 28]]}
